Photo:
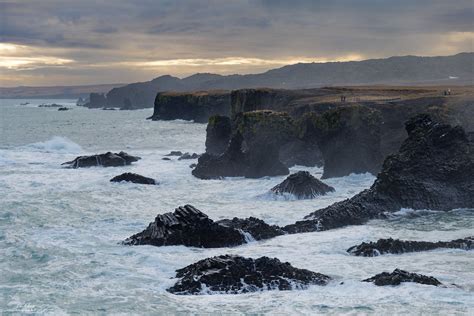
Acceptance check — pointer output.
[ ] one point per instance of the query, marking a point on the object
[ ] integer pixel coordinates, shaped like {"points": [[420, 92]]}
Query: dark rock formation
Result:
{"points": [[253, 150], [196, 106], [189, 227], [399, 276], [433, 170], [257, 228], [174, 153], [233, 274], [298, 152], [165, 158], [303, 185], [103, 160], [187, 156], [218, 134], [53, 105], [348, 137], [96, 101], [63, 109], [133, 177], [397, 246]]}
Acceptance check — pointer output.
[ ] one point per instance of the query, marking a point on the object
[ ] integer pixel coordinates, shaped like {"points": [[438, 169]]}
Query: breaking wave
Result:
{"points": [[56, 144]]}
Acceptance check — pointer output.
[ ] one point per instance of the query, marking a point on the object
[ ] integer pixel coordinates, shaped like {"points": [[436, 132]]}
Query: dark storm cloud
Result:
{"points": [[97, 35]]}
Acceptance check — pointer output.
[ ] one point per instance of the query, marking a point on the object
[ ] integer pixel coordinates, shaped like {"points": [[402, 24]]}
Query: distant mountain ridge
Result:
{"points": [[407, 70], [56, 92]]}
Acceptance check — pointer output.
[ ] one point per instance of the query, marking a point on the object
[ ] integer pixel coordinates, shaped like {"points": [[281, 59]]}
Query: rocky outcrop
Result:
{"points": [[174, 153], [302, 185], [234, 275], [64, 109], [433, 170], [133, 177], [103, 160], [218, 134], [253, 228], [196, 106], [253, 150], [249, 100], [397, 246], [188, 156], [398, 276], [190, 227], [348, 137], [96, 101]]}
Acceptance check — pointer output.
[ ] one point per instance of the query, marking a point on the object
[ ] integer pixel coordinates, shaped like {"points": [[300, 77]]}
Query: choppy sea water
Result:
{"points": [[60, 229]]}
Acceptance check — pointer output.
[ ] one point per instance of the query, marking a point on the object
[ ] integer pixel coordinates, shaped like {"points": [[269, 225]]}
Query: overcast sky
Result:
{"points": [[46, 42]]}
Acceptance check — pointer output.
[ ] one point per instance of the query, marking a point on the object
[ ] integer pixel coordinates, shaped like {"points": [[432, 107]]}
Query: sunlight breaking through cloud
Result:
{"points": [[18, 57]]}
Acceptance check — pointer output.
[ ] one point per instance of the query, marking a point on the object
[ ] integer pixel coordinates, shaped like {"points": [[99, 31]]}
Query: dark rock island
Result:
{"points": [[133, 177], [399, 276], [397, 246], [108, 159], [228, 274], [302, 185]]}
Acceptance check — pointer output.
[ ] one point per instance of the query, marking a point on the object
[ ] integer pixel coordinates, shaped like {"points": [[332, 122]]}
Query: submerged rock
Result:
{"points": [[398, 276], [133, 177], [433, 170], [189, 156], [234, 274], [302, 185], [53, 105], [103, 160], [253, 228], [174, 153], [63, 109], [397, 246]]}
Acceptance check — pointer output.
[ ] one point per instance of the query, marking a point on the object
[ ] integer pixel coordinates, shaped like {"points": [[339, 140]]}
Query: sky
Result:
{"points": [[77, 42]]}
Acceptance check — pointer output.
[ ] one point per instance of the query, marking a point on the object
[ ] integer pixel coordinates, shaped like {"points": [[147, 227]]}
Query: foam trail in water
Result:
{"points": [[56, 144]]}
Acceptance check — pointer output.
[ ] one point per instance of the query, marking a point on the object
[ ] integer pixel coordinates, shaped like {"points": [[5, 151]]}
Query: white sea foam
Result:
{"points": [[57, 144], [60, 229]]}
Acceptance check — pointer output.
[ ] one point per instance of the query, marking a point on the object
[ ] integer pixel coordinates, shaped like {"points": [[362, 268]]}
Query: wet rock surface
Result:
{"points": [[397, 246], [174, 153], [189, 156], [108, 159], [433, 170], [302, 185], [133, 177], [189, 227], [399, 276], [234, 274], [257, 228]]}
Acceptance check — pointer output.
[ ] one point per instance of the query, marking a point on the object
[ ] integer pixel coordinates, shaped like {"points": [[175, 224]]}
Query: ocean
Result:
{"points": [[60, 229]]}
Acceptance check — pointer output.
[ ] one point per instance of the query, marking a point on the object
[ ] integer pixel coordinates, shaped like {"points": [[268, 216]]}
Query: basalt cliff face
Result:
{"points": [[196, 106], [253, 150], [433, 170]]}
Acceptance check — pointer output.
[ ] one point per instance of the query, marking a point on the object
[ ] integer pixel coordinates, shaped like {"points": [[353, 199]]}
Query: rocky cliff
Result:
{"points": [[196, 106]]}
